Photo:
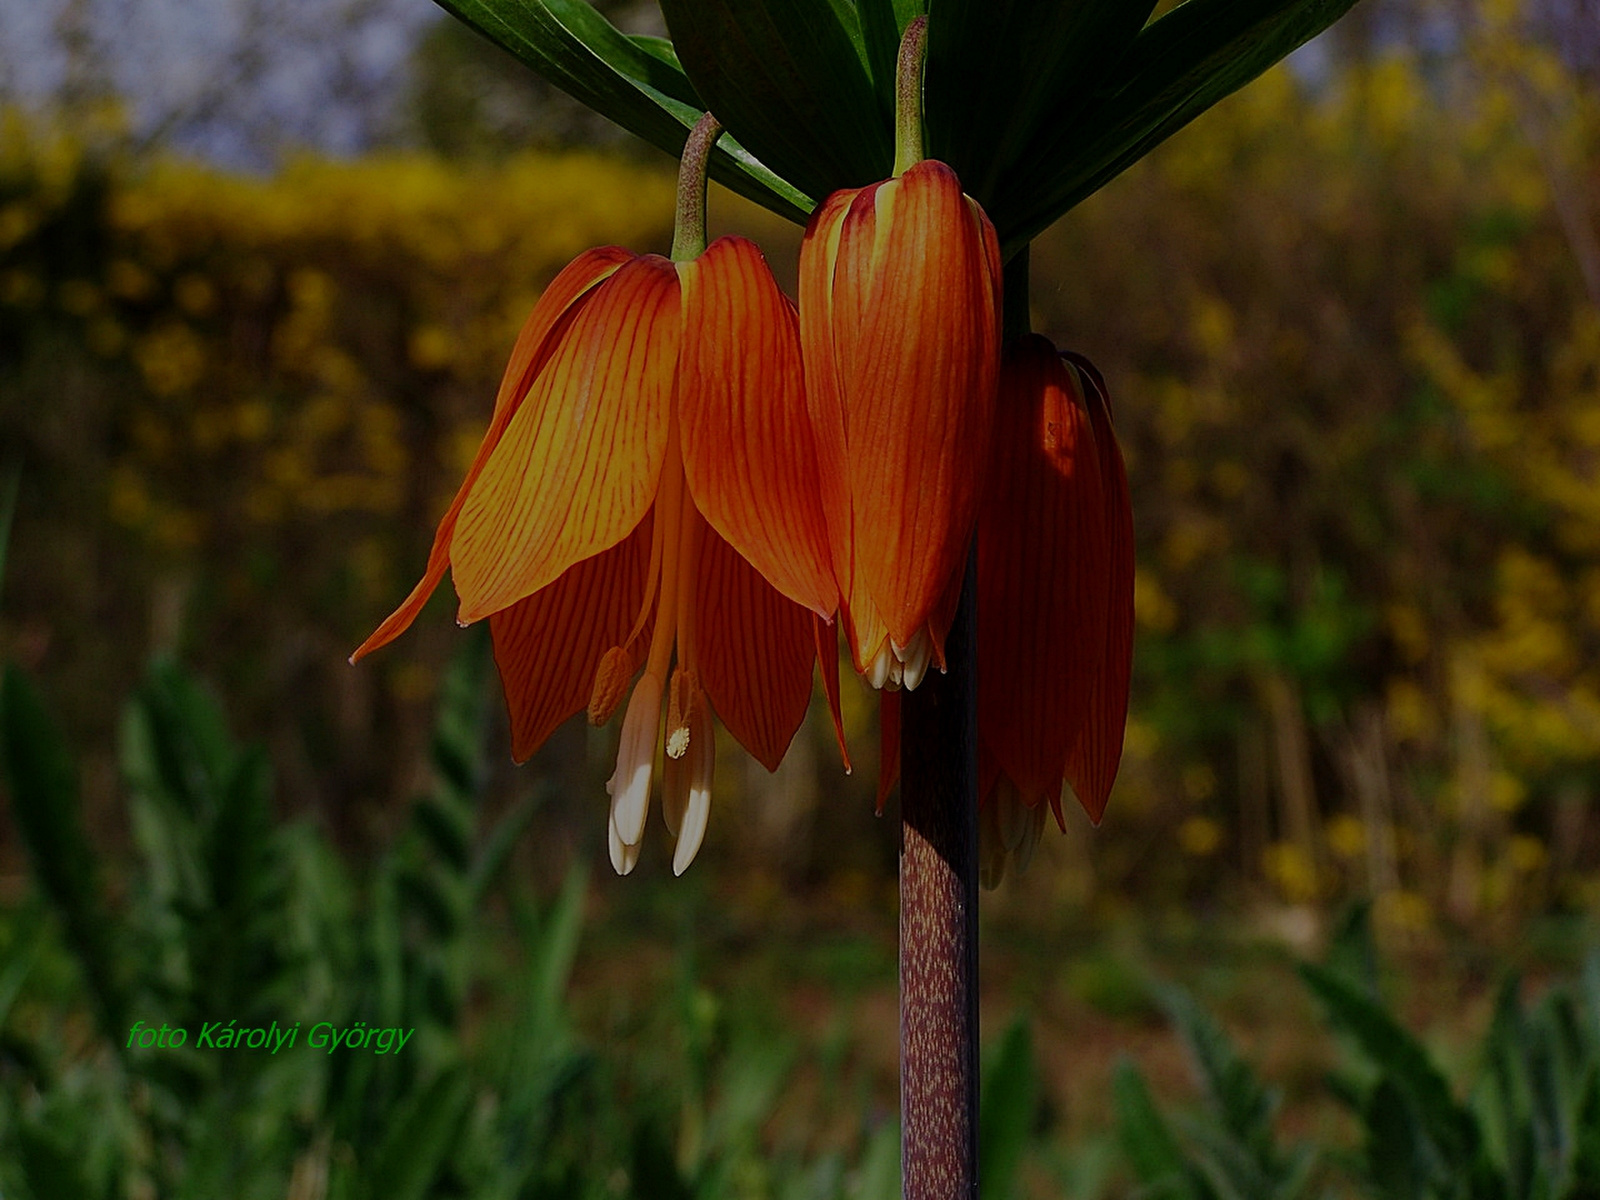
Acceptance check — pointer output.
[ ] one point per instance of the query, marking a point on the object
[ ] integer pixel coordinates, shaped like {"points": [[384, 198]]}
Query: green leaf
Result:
{"points": [[44, 804], [497, 847], [1352, 952], [1242, 1105], [1398, 1162], [176, 749], [631, 81], [1006, 1113], [14, 968], [1177, 67], [1149, 1143], [558, 948], [420, 1137], [789, 79], [1001, 70], [1402, 1059], [878, 1174]]}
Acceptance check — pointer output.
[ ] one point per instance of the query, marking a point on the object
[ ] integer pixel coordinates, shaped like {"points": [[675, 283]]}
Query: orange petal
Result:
{"points": [[823, 386], [1042, 595], [888, 745], [531, 349], [754, 652], [1097, 752], [580, 460], [827, 639], [748, 450], [919, 392], [549, 645]]}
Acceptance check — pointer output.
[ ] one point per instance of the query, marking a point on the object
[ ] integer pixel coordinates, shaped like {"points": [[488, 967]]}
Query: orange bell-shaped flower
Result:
{"points": [[899, 313], [1054, 601], [648, 470]]}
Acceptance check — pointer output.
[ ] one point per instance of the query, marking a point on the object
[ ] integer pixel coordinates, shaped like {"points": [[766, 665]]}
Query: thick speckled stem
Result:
{"points": [[939, 893], [939, 922], [689, 220], [908, 96]]}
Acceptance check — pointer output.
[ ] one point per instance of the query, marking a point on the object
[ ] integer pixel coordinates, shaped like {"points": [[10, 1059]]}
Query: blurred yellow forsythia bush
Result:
{"points": [[242, 403], [288, 335], [1354, 344]]}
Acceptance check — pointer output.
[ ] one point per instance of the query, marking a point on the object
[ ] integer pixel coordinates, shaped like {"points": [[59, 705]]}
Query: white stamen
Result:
{"points": [[1011, 814], [623, 857], [915, 658], [629, 786], [702, 760], [885, 670], [991, 849], [1030, 839]]}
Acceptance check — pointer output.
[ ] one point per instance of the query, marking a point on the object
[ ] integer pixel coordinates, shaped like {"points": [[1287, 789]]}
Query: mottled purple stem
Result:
{"points": [[939, 923]]}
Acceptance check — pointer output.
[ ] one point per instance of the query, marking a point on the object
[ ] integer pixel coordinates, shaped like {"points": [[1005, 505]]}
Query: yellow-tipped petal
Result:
{"points": [[578, 465], [532, 347], [749, 453]]}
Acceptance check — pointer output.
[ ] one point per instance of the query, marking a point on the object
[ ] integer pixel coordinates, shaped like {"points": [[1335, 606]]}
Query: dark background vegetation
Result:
{"points": [[249, 329]]}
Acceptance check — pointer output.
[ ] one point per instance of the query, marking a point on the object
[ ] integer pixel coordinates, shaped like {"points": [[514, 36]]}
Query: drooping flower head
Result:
{"points": [[1054, 600], [645, 499], [899, 323]]}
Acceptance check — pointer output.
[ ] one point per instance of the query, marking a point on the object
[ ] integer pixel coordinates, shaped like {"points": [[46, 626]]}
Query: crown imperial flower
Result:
{"points": [[645, 499], [1054, 602], [899, 311]]}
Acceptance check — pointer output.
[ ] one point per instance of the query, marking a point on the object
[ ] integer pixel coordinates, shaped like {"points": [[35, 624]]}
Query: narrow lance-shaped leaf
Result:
{"points": [[789, 79], [1403, 1059], [1007, 1111], [635, 82], [1176, 68], [44, 802], [1000, 70]]}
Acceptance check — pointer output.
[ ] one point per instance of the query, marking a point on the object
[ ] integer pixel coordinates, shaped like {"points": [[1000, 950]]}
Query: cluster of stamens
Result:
{"points": [[690, 744], [895, 667]]}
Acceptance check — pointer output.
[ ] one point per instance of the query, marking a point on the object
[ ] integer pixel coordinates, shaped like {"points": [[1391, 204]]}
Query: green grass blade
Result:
{"points": [[1402, 1058], [1009, 1107], [575, 48], [1178, 66], [420, 1139], [1146, 1139], [44, 803], [790, 80]]}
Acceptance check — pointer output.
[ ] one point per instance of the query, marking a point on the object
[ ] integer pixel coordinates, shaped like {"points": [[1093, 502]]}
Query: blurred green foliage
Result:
{"points": [[234, 916], [230, 911], [1531, 1127]]}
